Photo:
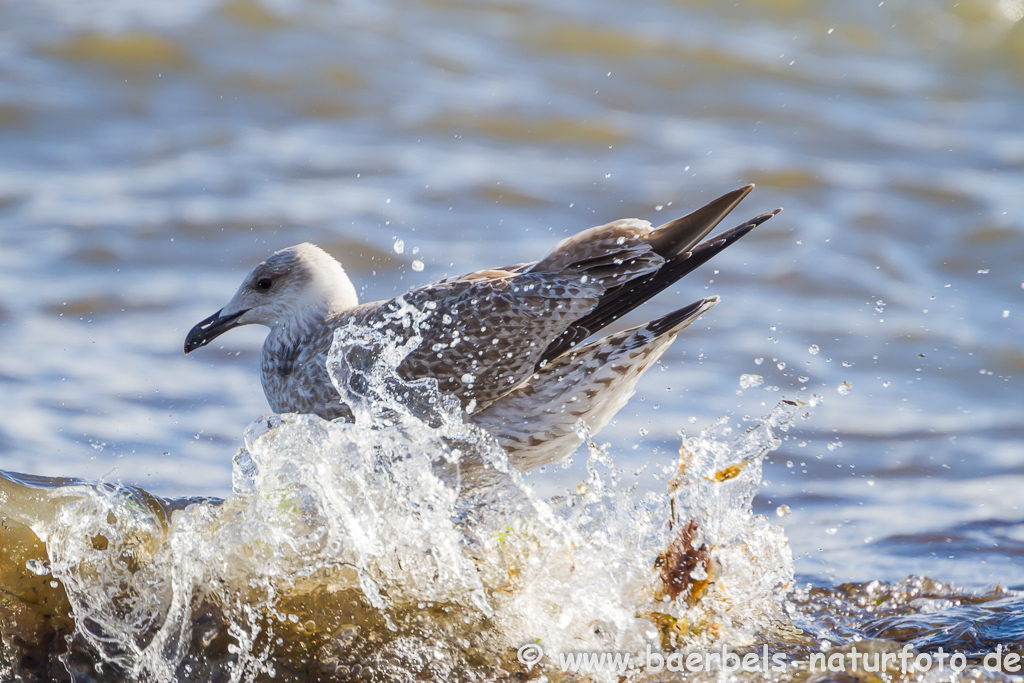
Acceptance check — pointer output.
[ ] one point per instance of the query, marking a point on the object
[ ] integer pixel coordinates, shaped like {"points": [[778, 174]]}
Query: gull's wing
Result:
{"points": [[485, 332], [489, 331]]}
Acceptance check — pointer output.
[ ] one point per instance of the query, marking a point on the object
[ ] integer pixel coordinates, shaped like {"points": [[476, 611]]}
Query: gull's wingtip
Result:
{"points": [[735, 197], [679, 235], [678, 319], [758, 220]]}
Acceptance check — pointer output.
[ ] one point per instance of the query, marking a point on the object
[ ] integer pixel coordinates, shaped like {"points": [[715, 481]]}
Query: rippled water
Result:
{"points": [[150, 154]]}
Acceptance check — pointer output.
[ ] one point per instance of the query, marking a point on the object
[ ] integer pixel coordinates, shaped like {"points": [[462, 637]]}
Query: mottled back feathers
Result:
{"points": [[505, 341]]}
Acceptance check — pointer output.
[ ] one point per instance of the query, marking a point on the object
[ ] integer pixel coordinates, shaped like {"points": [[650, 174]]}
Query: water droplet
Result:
{"points": [[747, 381], [758, 361], [780, 365], [40, 567], [782, 511], [399, 246], [417, 265], [844, 388], [813, 349]]}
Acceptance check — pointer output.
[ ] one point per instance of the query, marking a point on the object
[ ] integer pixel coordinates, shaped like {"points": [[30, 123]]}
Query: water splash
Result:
{"points": [[403, 545]]}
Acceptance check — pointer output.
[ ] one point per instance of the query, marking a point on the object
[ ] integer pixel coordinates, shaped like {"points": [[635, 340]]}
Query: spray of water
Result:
{"points": [[404, 545]]}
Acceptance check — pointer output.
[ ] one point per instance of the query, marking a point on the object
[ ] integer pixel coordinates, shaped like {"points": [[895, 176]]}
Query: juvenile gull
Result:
{"points": [[508, 342]]}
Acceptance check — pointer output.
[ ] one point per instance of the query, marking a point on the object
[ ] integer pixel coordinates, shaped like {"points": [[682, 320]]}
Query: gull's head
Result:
{"points": [[299, 283]]}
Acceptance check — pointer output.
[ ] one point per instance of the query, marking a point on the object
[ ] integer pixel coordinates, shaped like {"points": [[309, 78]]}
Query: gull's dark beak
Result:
{"points": [[211, 328]]}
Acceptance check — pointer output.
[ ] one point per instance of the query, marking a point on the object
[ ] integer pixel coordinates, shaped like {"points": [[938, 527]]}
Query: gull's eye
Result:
{"points": [[264, 283]]}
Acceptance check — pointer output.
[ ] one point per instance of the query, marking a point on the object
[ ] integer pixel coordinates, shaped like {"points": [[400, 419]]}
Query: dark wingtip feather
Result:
{"points": [[622, 300], [676, 236], [683, 316], [705, 250]]}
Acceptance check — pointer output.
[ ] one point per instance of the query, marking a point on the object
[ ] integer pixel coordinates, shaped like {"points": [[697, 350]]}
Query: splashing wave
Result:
{"points": [[403, 545]]}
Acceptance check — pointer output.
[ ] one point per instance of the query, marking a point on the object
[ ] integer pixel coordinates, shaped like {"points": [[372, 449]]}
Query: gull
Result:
{"points": [[510, 343]]}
